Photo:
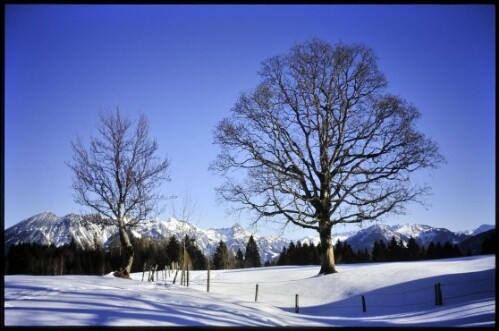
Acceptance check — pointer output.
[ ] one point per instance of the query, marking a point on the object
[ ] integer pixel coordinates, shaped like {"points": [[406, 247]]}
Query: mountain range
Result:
{"points": [[48, 228]]}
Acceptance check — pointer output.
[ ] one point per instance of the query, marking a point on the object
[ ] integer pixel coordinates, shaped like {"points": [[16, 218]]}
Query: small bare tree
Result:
{"points": [[118, 174], [322, 143], [185, 214]]}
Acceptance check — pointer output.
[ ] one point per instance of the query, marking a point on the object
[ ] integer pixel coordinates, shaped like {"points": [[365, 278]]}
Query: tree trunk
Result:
{"points": [[328, 264], [128, 249]]}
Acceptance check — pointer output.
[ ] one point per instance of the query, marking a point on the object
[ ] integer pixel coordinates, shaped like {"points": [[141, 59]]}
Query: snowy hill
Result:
{"points": [[48, 228], [397, 294]]}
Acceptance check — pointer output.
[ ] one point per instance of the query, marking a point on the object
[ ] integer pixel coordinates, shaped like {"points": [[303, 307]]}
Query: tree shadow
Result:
{"points": [[415, 301], [112, 309]]}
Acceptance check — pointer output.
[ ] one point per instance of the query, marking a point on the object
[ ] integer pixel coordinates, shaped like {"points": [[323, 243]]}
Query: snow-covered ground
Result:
{"points": [[396, 294]]}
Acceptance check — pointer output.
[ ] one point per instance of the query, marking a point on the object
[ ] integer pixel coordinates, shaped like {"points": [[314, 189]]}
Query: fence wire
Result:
{"points": [[332, 306]]}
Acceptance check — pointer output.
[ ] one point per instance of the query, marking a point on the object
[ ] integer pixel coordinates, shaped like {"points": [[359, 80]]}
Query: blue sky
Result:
{"points": [[184, 67]]}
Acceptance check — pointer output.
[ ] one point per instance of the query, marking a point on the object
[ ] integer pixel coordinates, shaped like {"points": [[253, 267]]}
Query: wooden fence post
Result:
{"points": [[297, 306], [149, 275], [363, 304], [153, 270], [143, 271], [438, 294], [256, 293], [175, 277], [208, 280]]}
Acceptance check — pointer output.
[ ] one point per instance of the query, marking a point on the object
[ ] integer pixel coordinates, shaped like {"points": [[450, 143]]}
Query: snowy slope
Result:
{"points": [[396, 295]]}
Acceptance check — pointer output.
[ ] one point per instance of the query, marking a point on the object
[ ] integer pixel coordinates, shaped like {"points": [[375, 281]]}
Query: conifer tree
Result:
{"points": [[252, 255], [431, 252], [338, 252], [239, 259], [282, 257], [488, 245], [291, 253], [379, 253], [348, 254], [394, 251], [315, 256], [173, 249], [221, 257], [413, 250], [362, 256]]}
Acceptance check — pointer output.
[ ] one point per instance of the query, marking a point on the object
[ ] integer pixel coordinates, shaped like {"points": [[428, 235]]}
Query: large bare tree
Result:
{"points": [[118, 174], [320, 142]]}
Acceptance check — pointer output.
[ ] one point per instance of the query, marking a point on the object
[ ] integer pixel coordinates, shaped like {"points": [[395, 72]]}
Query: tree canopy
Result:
{"points": [[321, 142]]}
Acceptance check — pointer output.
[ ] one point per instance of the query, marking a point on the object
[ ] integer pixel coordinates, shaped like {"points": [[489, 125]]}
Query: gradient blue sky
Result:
{"points": [[184, 67]]}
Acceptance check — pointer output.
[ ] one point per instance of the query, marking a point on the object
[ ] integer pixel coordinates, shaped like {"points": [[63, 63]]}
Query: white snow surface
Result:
{"points": [[396, 294]]}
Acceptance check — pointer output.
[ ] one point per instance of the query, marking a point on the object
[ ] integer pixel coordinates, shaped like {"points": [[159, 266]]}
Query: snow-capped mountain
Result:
{"points": [[482, 228], [48, 228], [312, 240], [424, 235]]}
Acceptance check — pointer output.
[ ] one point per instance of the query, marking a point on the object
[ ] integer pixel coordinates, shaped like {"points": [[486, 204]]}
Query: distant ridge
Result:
{"points": [[48, 228]]}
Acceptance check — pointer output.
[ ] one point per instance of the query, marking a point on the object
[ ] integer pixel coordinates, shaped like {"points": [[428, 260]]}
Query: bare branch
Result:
{"points": [[118, 173]]}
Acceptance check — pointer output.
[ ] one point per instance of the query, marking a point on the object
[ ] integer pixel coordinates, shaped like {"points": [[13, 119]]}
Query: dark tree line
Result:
{"points": [[305, 254], [72, 259], [299, 254], [308, 254], [151, 252], [36, 259], [223, 258], [489, 245], [397, 251]]}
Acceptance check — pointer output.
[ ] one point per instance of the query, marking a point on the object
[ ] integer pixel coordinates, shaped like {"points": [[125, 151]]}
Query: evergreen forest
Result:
{"points": [[37, 259]]}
